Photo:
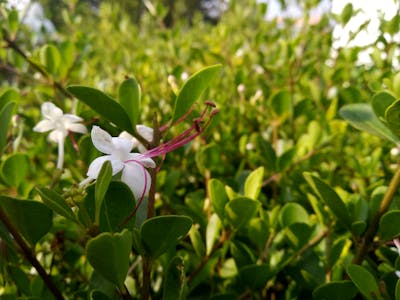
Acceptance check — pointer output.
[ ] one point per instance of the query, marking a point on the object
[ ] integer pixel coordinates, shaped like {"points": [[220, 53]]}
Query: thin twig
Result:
{"points": [[28, 253]]}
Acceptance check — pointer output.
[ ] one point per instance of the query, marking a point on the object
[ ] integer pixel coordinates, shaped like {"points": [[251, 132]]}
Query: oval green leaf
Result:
{"points": [[362, 117], [292, 213], [389, 225], [218, 197], [55, 202], [193, 88], [364, 281], [175, 283], [15, 168], [104, 105], [239, 211], [253, 183], [380, 103], [343, 290], [129, 98], [5, 117], [32, 218], [160, 233], [109, 253], [50, 57]]}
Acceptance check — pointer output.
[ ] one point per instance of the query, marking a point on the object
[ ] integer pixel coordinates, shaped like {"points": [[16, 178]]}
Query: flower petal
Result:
{"points": [[146, 132], [75, 127], [141, 159], [102, 140], [50, 111], [43, 126], [71, 118], [57, 135], [137, 178], [123, 145]]}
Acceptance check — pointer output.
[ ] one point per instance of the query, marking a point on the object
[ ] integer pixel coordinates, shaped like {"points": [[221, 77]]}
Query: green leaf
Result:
{"points": [[13, 21], [255, 276], [32, 218], [218, 197], [380, 102], [346, 14], [15, 168], [389, 225], [104, 105], [330, 198], [197, 241], [239, 211], [362, 117], [392, 116], [258, 231], [5, 118], [55, 202], [364, 281], [129, 98], [292, 213], [10, 95], [109, 253], [160, 233], [193, 88], [102, 183], [343, 290], [50, 57], [281, 104], [252, 186], [175, 283], [212, 232], [397, 291], [117, 205]]}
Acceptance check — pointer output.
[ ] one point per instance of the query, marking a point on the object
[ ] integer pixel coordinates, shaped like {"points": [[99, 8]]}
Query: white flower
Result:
{"points": [[59, 124], [118, 152], [146, 132]]}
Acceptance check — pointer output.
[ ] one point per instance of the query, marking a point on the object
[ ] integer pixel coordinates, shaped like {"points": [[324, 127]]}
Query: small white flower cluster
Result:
{"points": [[117, 149]]}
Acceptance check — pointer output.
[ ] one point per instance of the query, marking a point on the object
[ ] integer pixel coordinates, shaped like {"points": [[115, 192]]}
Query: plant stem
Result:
{"points": [[367, 240], [28, 253], [146, 279]]}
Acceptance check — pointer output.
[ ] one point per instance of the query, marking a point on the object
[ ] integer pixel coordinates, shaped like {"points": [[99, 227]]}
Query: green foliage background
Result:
{"points": [[270, 235]]}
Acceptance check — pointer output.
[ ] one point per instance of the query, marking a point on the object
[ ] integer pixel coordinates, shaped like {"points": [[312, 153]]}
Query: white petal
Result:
{"points": [[76, 127], [137, 178], [123, 145], [50, 111], [43, 126], [128, 136], [145, 132], [102, 140], [143, 160], [96, 165], [57, 135], [71, 118]]}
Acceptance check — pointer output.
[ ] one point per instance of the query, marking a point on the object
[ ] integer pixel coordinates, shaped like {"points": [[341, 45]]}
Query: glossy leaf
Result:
{"points": [[292, 213], [15, 168], [392, 116], [55, 202], [50, 57], [101, 187], [364, 281], [255, 276], [104, 105], [160, 233], [218, 197], [192, 90], [389, 225], [109, 253], [10, 95], [362, 117], [253, 183], [258, 230], [330, 198], [32, 218], [5, 118], [174, 284], [346, 14], [380, 103], [129, 98], [343, 290], [281, 104], [239, 211], [212, 232]]}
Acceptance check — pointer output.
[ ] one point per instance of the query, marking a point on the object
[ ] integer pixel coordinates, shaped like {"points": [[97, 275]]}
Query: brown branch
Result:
{"points": [[28, 253]]}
